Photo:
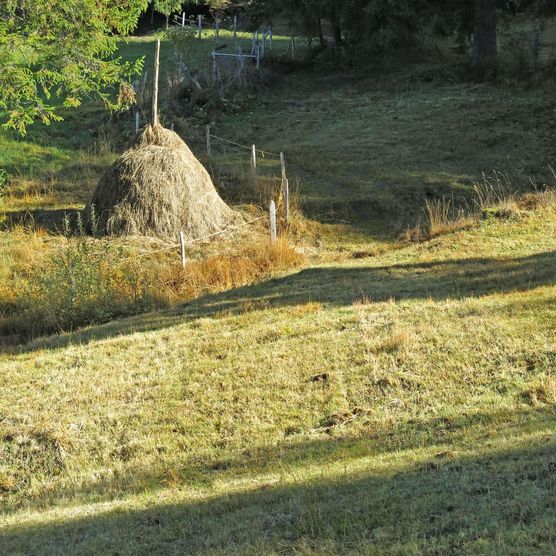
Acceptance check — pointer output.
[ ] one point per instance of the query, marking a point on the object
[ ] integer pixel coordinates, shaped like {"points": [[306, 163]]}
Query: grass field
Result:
{"points": [[386, 397], [399, 404]]}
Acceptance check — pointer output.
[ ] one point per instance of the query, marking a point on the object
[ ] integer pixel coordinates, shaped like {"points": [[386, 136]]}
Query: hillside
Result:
{"points": [[397, 404]]}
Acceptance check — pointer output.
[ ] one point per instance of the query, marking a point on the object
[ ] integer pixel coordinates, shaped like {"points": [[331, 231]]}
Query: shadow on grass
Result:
{"points": [[494, 502], [333, 443], [52, 220], [342, 286]]}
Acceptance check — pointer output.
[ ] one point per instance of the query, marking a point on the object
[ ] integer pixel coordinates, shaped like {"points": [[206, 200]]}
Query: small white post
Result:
{"points": [[172, 126], [272, 222], [254, 159], [182, 249], [286, 193], [283, 166], [183, 19], [200, 25], [209, 146], [214, 74], [137, 121]]}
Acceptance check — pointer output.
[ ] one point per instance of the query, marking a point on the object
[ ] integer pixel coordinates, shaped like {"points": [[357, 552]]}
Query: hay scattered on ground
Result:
{"points": [[158, 187]]}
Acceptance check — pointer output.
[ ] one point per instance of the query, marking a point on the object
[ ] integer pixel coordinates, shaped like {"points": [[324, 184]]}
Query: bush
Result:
{"points": [[85, 282]]}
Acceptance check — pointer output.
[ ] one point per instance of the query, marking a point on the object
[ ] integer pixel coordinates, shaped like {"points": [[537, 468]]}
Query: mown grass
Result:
{"points": [[397, 404], [387, 398]]}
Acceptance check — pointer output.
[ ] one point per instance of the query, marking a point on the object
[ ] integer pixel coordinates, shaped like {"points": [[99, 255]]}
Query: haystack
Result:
{"points": [[158, 187]]}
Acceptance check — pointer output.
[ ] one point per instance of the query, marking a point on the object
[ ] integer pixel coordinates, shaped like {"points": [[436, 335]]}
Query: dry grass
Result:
{"points": [[245, 265], [81, 281], [159, 188]]}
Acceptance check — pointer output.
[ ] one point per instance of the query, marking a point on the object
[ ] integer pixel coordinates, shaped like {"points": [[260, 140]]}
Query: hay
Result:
{"points": [[158, 187]]}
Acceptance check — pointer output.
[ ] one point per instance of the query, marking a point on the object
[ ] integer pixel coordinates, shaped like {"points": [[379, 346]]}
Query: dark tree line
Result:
{"points": [[398, 23]]}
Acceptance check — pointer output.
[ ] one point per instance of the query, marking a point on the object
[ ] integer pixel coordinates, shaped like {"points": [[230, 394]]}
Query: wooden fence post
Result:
{"points": [[200, 25], [286, 194], [272, 221], [283, 166], [155, 84], [209, 146], [182, 249], [183, 19], [254, 160]]}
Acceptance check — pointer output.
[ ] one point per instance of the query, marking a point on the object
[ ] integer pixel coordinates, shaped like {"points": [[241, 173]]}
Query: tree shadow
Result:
{"points": [[441, 505], [341, 286]]}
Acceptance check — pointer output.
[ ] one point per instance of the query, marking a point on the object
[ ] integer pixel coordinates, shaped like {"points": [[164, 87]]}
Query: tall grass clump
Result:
{"points": [[83, 282], [494, 196], [244, 265]]}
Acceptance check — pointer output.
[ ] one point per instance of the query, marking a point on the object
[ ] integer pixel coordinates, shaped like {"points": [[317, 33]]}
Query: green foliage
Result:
{"points": [[59, 52], [84, 282]]}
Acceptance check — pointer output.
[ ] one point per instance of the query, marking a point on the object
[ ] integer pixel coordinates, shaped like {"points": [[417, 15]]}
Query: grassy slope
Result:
{"points": [[402, 403], [398, 404]]}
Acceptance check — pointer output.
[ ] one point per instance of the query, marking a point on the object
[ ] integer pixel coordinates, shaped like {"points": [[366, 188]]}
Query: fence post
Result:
{"points": [[254, 160], [200, 25], [258, 56], [155, 84], [137, 121], [182, 249], [209, 147], [272, 222], [214, 74], [283, 166], [183, 19], [286, 193], [235, 30], [217, 31]]}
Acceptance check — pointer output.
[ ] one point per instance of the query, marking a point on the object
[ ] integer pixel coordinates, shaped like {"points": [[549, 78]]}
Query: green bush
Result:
{"points": [[85, 282]]}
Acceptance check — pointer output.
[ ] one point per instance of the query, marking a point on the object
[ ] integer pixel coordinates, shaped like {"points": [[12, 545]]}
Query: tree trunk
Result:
{"points": [[535, 34], [484, 36], [167, 20], [321, 35], [336, 29], [152, 14]]}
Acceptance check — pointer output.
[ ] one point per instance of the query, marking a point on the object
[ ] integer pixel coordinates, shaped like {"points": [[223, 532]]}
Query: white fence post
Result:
{"points": [[254, 159], [272, 221], [182, 249], [137, 121], [183, 19], [209, 146], [235, 30]]}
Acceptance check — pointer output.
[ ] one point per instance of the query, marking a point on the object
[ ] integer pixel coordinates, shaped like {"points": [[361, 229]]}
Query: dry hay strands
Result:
{"points": [[158, 188]]}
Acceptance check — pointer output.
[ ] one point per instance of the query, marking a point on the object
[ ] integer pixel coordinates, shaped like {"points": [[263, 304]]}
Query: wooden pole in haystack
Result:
{"points": [[155, 83]]}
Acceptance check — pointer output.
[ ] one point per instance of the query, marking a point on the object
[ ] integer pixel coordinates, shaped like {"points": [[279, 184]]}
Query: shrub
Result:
{"points": [[84, 282]]}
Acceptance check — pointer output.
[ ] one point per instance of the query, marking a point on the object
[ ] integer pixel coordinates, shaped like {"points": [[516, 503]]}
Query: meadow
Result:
{"points": [[380, 383]]}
